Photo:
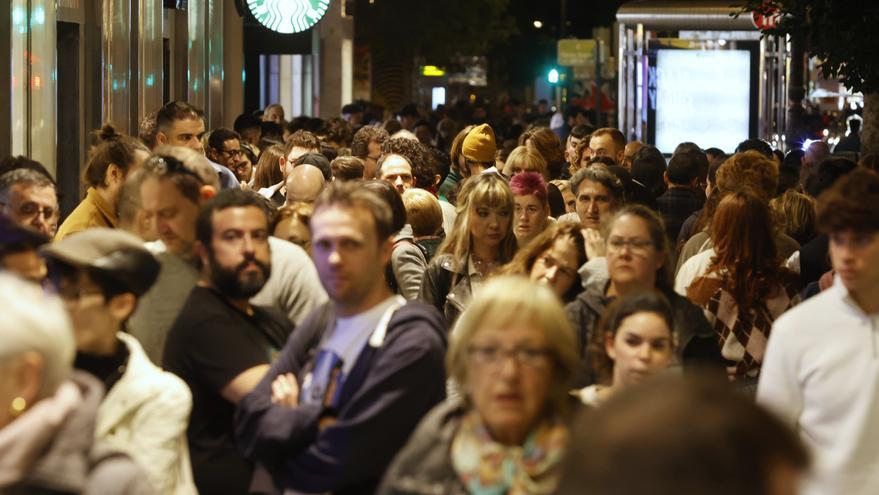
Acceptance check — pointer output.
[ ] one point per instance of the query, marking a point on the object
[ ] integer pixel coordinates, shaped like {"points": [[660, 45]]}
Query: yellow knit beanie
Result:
{"points": [[479, 145]]}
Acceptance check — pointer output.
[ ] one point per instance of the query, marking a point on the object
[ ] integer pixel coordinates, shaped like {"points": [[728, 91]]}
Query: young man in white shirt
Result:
{"points": [[821, 369]]}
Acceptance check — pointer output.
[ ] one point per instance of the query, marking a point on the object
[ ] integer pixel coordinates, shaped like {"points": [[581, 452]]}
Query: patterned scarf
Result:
{"points": [[487, 467]]}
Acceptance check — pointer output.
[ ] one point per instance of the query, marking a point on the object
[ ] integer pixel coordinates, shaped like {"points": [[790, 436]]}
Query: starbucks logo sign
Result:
{"points": [[288, 16]]}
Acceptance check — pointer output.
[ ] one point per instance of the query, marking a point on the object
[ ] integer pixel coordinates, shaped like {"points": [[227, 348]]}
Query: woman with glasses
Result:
{"points": [[638, 260], [552, 259], [635, 340], [480, 242], [513, 356]]}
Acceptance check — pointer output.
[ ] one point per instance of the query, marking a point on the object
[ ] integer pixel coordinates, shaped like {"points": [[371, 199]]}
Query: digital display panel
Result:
{"points": [[702, 96]]}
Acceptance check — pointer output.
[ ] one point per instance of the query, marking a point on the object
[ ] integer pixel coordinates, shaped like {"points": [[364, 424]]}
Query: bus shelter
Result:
{"points": [[693, 71]]}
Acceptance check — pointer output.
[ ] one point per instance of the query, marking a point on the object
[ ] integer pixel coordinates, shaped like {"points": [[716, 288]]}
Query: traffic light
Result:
{"points": [[553, 76]]}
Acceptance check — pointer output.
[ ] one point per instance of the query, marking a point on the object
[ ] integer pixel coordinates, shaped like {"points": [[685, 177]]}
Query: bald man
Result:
{"points": [[304, 183], [629, 151]]}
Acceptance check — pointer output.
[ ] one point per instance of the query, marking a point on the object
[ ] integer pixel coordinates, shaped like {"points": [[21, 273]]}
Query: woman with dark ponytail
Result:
{"points": [[111, 159]]}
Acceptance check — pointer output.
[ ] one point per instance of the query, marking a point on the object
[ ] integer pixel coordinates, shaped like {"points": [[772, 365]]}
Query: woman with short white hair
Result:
{"points": [[47, 412]]}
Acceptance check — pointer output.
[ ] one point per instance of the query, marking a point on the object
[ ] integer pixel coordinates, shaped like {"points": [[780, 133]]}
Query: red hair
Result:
{"points": [[747, 259], [529, 183]]}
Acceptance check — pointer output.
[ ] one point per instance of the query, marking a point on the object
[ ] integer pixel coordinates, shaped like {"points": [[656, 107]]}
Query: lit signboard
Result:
{"points": [[288, 16], [703, 96]]}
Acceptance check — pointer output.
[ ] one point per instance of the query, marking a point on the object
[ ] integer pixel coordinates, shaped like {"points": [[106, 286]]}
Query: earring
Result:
{"points": [[18, 406]]}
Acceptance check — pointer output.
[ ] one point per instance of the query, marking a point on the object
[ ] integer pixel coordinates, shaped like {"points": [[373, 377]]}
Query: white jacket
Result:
{"points": [[821, 375], [145, 415]]}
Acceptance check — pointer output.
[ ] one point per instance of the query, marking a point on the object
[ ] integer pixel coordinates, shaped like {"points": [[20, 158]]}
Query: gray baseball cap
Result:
{"points": [[114, 253]]}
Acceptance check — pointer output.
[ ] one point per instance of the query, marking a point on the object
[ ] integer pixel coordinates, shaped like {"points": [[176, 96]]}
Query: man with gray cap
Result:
{"points": [[100, 274]]}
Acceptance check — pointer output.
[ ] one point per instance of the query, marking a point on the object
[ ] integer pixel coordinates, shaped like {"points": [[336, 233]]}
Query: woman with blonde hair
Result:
{"points": [[513, 355], [796, 213], [525, 159], [581, 157], [480, 242], [546, 142]]}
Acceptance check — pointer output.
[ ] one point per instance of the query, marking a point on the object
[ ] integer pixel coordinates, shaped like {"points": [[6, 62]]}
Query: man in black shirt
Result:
{"points": [[220, 344]]}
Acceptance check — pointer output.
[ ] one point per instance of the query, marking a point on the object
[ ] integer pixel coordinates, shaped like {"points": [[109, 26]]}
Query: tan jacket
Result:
{"points": [[92, 212]]}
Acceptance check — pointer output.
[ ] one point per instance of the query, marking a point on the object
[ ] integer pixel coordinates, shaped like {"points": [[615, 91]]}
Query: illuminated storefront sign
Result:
{"points": [[288, 16]]}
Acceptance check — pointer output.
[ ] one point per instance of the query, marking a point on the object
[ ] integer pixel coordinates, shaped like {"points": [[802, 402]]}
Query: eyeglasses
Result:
{"points": [[492, 356], [29, 210], [232, 153], [638, 246], [75, 294]]}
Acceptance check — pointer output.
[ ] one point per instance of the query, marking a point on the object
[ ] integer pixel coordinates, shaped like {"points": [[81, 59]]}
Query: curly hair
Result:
{"points": [[751, 170], [416, 154], [364, 136], [852, 203], [339, 131]]}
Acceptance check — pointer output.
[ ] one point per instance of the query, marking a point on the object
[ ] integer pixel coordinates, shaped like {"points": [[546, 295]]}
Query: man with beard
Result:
{"points": [[171, 187], [221, 345]]}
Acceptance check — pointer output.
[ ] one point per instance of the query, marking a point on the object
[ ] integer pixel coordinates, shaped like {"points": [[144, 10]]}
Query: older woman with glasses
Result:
{"points": [[638, 260], [513, 355]]}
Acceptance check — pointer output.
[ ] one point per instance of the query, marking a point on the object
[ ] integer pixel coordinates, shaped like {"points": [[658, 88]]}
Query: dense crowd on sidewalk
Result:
{"points": [[440, 303]]}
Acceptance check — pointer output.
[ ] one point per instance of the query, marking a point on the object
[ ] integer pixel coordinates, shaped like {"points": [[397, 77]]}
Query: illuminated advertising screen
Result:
{"points": [[702, 96]]}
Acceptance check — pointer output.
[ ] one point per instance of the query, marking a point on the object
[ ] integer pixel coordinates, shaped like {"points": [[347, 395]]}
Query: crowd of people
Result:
{"points": [[437, 307]]}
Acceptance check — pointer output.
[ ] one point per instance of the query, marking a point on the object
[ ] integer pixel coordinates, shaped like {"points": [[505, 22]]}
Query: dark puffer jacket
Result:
{"points": [[697, 345]]}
